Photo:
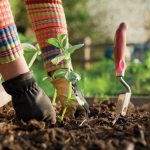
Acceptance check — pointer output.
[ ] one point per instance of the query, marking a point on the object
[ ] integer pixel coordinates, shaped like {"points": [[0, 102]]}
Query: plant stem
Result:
{"points": [[63, 113], [69, 93], [33, 59], [67, 101], [54, 98]]}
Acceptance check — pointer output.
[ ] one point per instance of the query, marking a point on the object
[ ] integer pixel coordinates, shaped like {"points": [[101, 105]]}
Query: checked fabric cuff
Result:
{"points": [[48, 20], [10, 47]]}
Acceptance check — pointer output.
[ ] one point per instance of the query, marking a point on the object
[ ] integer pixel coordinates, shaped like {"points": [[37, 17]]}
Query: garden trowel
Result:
{"points": [[80, 98], [120, 66]]}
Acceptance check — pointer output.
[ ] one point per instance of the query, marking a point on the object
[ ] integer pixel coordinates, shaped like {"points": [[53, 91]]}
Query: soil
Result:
{"points": [[131, 132]]}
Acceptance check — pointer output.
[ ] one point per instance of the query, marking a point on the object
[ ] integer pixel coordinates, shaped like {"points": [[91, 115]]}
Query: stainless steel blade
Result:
{"points": [[80, 98], [122, 105]]}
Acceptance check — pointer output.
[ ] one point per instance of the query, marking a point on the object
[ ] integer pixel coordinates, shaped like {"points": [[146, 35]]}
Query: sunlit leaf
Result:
{"points": [[60, 73], [54, 42], [38, 47], [59, 58], [61, 37], [63, 40], [45, 78], [28, 47], [72, 76], [39, 53], [73, 48]]}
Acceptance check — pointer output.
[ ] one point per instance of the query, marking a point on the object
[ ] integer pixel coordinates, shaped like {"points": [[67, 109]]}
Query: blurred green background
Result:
{"points": [[95, 22]]}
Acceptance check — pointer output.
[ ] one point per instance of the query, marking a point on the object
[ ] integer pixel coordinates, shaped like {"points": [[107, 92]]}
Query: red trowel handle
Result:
{"points": [[119, 49]]}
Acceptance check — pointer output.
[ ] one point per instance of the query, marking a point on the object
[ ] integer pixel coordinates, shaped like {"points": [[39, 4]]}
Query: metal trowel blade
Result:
{"points": [[122, 105]]}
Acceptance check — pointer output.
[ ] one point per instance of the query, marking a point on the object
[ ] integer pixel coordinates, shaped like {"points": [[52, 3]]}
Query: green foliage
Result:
{"points": [[54, 42], [72, 76], [26, 39], [59, 73], [65, 55], [39, 73], [19, 11], [32, 48], [33, 57], [100, 80], [78, 19], [66, 51], [139, 74]]}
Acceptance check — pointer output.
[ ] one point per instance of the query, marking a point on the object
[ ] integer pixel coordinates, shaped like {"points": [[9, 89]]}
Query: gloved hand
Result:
{"points": [[29, 100], [62, 87]]}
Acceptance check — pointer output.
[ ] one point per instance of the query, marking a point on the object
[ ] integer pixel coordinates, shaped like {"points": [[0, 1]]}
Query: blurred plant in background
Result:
{"points": [[19, 11], [34, 60], [100, 80], [139, 74], [78, 20]]}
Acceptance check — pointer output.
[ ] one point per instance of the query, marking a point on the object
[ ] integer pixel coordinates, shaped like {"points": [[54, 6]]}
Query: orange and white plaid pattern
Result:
{"points": [[10, 47], [48, 20], [6, 18]]}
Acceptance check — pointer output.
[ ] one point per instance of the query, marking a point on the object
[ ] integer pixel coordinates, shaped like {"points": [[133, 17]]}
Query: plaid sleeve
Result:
{"points": [[48, 20], [10, 47]]}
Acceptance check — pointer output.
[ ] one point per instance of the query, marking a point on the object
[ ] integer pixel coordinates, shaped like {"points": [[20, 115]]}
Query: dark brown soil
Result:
{"points": [[97, 133]]}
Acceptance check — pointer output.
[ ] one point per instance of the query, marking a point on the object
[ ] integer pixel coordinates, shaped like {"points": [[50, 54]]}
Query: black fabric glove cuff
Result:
{"points": [[19, 83]]}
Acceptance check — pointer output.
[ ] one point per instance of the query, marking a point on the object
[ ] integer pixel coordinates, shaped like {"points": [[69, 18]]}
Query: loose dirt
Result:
{"points": [[96, 133]]}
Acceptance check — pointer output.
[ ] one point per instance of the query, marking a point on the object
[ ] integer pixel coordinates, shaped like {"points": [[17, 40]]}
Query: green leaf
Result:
{"points": [[72, 76], [28, 47], [54, 42], [63, 40], [71, 49], [61, 37], [59, 58], [45, 78], [38, 47], [39, 53], [60, 73]]}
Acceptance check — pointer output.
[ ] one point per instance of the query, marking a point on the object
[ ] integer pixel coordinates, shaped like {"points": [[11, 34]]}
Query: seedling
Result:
{"points": [[67, 50]]}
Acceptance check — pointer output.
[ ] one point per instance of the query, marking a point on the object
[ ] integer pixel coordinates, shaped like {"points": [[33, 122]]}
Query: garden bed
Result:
{"points": [[97, 133]]}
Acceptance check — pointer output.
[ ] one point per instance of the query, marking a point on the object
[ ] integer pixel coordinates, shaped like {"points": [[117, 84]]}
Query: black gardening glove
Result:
{"points": [[29, 100]]}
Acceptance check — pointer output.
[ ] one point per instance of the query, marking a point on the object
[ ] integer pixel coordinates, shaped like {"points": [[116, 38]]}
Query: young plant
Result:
{"points": [[67, 50]]}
